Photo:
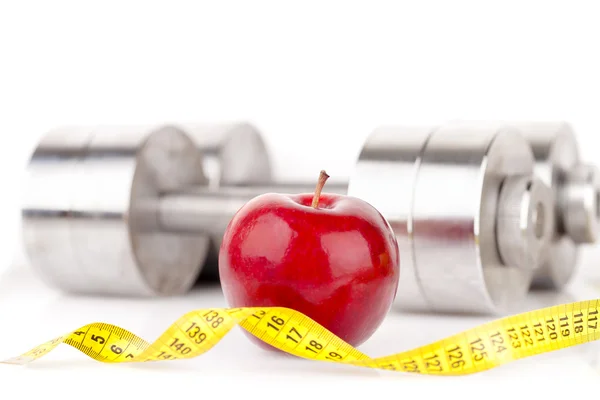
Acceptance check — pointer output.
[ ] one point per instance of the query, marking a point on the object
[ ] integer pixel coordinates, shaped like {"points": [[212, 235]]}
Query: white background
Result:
{"points": [[316, 74]]}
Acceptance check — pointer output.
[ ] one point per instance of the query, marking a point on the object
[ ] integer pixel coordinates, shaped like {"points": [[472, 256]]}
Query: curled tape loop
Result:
{"points": [[474, 350]]}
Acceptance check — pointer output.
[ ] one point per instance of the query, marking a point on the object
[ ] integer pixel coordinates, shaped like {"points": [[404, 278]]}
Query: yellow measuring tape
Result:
{"points": [[474, 350]]}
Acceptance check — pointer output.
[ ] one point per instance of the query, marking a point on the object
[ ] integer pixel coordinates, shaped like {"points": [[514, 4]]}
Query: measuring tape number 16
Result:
{"points": [[474, 350]]}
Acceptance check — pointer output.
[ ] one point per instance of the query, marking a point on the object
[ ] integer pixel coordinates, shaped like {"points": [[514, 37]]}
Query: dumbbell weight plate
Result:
{"points": [[384, 176], [233, 154], [459, 185], [440, 195], [90, 211], [556, 153]]}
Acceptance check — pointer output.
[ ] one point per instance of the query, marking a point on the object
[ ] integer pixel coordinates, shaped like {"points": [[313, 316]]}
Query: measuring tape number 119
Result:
{"points": [[474, 350]]}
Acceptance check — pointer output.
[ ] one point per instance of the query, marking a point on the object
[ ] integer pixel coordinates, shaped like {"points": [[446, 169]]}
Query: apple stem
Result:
{"points": [[322, 179]]}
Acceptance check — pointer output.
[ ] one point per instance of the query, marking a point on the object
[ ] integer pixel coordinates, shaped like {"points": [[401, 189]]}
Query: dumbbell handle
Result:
{"points": [[202, 210]]}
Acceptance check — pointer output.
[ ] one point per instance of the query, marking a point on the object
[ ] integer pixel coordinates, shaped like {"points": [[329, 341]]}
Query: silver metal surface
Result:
{"points": [[201, 210], [557, 157], [385, 176], [208, 211], [581, 200], [441, 198], [525, 227], [90, 212], [233, 154]]}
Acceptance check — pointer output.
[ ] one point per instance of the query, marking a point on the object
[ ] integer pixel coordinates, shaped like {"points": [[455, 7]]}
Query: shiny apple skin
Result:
{"points": [[338, 264]]}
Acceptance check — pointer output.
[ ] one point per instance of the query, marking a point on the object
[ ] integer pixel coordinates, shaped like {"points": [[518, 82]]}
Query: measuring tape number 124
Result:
{"points": [[474, 350]]}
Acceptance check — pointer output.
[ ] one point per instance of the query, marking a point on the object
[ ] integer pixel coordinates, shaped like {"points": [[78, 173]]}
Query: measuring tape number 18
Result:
{"points": [[474, 350]]}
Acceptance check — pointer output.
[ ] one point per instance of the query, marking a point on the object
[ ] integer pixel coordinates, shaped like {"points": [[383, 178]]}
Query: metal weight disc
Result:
{"points": [[234, 154], [99, 190], [456, 199], [440, 189], [385, 176], [556, 153], [46, 206]]}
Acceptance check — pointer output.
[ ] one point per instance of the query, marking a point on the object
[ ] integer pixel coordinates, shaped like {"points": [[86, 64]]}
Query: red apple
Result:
{"points": [[332, 257]]}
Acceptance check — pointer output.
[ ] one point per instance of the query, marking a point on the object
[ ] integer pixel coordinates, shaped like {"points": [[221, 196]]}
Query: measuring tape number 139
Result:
{"points": [[474, 350]]}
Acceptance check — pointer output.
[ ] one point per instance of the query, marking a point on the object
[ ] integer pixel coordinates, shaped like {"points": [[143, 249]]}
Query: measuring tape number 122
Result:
{"points": [[474, 350]]}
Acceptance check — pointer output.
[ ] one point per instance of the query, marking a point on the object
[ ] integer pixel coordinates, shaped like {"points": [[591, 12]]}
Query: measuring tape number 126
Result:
{"points": [[474, 350]]}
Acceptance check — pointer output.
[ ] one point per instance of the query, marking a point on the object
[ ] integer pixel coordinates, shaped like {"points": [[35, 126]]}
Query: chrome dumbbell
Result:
{"points": [[447, 171], [90, 213], [471, 217]]}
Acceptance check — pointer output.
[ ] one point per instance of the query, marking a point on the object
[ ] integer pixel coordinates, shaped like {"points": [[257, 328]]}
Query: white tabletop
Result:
{"points": [[31, 313]]}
